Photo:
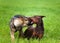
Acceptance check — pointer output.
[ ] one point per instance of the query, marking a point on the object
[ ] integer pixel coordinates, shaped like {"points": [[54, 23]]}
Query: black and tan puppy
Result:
{"points": [[17, 23], [35, 32]]}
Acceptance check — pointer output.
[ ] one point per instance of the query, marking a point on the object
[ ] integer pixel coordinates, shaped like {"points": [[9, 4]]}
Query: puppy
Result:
{"points": [[35, 32], [17, 23]]}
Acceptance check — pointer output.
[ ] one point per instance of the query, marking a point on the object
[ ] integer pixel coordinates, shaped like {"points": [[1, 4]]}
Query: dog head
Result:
{"points": [[28, 21], [36, 19]]}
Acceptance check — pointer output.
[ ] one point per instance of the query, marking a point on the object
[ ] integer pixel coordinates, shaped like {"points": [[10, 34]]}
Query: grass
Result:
{"points": [[48, 8]]}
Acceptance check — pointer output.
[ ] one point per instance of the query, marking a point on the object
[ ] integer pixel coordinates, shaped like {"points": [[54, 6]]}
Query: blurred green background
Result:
{"points": [[48, 8]]}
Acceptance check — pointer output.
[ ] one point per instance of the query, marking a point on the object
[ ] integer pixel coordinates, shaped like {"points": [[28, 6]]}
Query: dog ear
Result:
{"points": [[42, 16], [39, 16]]}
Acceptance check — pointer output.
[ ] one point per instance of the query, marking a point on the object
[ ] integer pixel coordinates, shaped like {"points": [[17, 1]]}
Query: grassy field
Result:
{"points": [[48, 8]]}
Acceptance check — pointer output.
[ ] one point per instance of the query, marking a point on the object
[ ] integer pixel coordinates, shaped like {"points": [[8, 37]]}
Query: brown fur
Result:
{"points": [[36, 32]]}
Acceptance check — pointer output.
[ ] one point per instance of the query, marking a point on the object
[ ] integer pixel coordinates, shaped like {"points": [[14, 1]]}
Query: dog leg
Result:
{"points": [[12, 35], [20, 33]]}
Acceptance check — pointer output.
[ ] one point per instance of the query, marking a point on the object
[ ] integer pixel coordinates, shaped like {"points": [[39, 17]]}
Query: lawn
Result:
{"points": [[48, 8]]}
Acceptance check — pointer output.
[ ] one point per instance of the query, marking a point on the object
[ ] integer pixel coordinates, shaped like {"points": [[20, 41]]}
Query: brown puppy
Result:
{"points": [[16, 24], [37, 31]]}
